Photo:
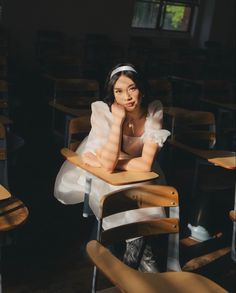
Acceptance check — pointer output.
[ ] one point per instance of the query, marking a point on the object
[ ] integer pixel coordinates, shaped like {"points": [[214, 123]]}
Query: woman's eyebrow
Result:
{"points": [[120, 88]]}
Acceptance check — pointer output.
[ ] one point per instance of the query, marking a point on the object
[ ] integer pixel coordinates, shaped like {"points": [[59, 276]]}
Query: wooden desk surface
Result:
{"points": [[222, 158], [199, 82], [13, 213], [4, 193], [78, 112], [115, 178], [227, 106]]}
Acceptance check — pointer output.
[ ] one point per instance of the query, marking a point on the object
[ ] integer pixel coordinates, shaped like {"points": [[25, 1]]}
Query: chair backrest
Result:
{"points": [[161, 89], [217, 90], [141, 197], [76, 92], [196, 129], [78, 128], [63, 66], [144, 196], [129, 280]]}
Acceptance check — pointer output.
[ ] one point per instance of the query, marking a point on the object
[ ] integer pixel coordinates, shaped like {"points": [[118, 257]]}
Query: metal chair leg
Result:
{"points": [[95, 272]]}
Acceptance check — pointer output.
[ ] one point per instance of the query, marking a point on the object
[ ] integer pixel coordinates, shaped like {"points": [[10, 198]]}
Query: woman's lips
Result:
{"points": [[131, 104]]}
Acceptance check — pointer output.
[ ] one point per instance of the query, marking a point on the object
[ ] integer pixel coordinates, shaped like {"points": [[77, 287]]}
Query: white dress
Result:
{"points": [[70, 182]]}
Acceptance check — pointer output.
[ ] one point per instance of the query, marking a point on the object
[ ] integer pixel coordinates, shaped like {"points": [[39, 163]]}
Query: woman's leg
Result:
{"points": [[134, 252]]}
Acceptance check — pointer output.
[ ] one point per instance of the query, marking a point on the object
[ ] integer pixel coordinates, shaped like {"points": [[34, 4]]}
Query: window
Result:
{"points": [[171, 15]]}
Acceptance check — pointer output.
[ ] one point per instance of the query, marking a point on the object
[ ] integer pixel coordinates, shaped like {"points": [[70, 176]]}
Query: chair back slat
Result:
{"points": [[138, 197], [138, 229]]}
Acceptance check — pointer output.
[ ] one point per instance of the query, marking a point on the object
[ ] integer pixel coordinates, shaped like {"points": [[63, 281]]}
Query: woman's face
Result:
{"points": [[126, 93]]}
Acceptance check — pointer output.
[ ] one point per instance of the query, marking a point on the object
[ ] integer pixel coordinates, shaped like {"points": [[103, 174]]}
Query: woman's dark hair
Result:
{"points": [[136, 77]]}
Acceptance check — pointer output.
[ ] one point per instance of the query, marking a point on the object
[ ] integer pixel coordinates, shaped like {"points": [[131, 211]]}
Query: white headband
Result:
{"points": [[122, 68]]}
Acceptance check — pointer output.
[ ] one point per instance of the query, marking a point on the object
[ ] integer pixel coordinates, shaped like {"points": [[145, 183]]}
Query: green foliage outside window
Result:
{"points": [[176, 14]]}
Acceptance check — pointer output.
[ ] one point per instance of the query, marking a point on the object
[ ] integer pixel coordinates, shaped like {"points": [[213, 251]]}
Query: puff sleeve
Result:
{"points": [[152, 129], [101, 121]]}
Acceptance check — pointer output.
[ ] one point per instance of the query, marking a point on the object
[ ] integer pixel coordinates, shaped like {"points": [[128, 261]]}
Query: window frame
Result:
{"points": [[193, 4]]}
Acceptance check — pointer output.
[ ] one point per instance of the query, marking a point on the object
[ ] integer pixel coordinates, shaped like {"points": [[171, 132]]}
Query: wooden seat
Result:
{"points": [[13, 213], [141, 197], [129, 280]]}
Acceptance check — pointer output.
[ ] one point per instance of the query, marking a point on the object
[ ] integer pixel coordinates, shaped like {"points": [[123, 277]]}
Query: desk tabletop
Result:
{"points": [[227, 106], [78, 112], [221, 158], [116, 178], [4, 193], [188, 80], [225, 159], [13, 213]]}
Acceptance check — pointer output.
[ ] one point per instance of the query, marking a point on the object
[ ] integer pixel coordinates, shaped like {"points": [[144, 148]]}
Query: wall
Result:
{"points": [[76, 18]]}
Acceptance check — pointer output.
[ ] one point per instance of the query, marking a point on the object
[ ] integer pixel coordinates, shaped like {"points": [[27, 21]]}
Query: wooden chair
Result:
{"points": [[144, 196], [63, 66], [195, 128], [71, 94], [232, 215], [78, 128], [13, 213], [192, 129], [126, 279], [194, 132]]}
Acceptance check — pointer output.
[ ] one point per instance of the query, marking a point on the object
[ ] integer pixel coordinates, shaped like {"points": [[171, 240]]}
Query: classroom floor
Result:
{"points": [[47, 254]]}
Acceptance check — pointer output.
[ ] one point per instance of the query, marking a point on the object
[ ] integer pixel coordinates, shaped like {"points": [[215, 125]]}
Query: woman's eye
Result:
{"points": [[117, 91], [132, 89]]}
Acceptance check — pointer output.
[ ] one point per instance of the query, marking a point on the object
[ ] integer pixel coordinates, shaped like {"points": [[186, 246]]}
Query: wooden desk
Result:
{"points": [[226, 106], [4, 193], [221, 158], [224, 159], [115, 178], [13, 213], [198, 82]]}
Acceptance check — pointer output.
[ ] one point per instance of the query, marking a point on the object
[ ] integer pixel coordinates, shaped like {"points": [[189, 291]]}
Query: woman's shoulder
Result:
{"points": [[154, 107], [101, 109], [99, 105]]}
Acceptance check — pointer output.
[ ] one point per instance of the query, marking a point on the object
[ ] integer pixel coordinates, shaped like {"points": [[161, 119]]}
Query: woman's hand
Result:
{"points": [[118, 111], [91, 160]]}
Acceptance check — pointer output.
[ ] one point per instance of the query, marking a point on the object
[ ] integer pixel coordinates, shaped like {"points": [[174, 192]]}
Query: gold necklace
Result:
{"points": [[131, 126], [130, 123]]}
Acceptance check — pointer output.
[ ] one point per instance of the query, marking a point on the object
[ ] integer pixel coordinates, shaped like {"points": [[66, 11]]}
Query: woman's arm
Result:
{"points": [[142, 163], [109, 153]]}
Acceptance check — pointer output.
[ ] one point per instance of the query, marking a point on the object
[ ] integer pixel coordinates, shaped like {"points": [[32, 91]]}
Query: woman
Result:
{"points": [[126, 134]]}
